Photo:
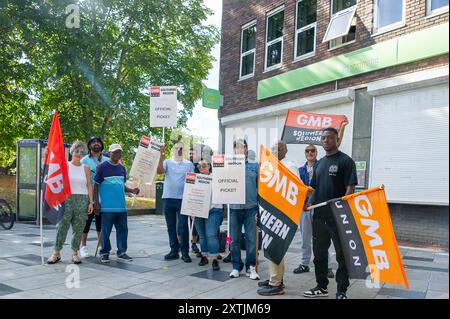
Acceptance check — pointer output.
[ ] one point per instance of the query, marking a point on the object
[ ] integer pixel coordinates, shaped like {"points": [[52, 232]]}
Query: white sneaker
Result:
{"points": [[84, 252], [252, 273], [234, 274]]}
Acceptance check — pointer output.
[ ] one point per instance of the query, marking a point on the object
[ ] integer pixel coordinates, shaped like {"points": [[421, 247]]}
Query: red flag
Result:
{"points": [[56, 186]]}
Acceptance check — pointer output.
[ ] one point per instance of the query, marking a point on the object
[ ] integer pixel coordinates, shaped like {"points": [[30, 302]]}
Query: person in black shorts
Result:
{"points": [[334, 177]]}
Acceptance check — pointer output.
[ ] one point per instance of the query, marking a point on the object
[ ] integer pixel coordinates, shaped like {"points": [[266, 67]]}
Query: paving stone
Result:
{"points": [[437, 295], [6, 290]]}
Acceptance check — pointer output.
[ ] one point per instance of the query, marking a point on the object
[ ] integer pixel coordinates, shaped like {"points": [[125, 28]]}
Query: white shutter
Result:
{"points": [[410, 145]]}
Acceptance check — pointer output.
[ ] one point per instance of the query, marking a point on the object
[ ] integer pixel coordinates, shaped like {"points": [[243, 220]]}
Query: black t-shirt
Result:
{"points": [[332, 175]]}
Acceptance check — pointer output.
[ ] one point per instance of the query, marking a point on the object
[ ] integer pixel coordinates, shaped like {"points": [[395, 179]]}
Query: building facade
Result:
{"points": [[382, 63]]}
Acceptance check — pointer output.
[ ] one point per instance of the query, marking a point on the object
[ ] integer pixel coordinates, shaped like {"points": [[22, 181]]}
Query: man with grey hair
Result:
{"points": [[275, 286]]}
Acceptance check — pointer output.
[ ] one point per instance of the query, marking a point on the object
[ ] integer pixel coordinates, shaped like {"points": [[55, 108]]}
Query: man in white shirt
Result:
{"points": [[275, 285]]}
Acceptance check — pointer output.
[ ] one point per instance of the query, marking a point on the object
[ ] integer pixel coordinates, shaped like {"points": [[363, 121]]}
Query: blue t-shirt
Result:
{"points": [[174, 178], [93, 162], [111, 179]]}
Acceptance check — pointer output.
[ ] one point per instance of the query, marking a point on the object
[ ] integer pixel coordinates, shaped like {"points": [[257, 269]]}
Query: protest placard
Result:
{"points": [[197, 195], [228, 179], [163, 106], [146, 160]]}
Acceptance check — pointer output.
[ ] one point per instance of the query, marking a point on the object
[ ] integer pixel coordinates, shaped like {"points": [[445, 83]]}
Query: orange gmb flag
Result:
{"points": [[281, 199], [367, 237], [306, 128]]}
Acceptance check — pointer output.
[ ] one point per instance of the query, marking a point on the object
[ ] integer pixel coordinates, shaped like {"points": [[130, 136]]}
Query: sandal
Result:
{"points": [[76, 259], [53, 259]]}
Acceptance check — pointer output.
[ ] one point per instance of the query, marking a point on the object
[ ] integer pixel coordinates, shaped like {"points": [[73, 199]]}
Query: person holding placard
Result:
{"points": [[245, 215], [175, 170], [209, 228]]}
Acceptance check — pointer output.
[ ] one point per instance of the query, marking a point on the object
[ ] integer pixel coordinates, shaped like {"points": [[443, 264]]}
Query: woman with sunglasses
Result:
{"points": [[209, 228], [75, 205]]}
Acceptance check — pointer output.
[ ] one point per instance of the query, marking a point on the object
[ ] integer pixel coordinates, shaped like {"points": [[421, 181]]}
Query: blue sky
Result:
{"points": [[204, 121]]}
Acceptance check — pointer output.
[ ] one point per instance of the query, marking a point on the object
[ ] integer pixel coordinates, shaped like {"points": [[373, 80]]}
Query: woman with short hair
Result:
{"points": [[76, 205]]}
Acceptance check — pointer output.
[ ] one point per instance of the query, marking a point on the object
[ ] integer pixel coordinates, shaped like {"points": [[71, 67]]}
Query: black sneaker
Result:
{"points": [[104, 259], [172, 255], [316, 292], [186, 258], [219, 257], [271, 290], [266, 283], [341, 295], [124, 257], [199, 255], [301, 269], [203, 261], [195, 248], [330, 273], [215, 265], [227, 259]]}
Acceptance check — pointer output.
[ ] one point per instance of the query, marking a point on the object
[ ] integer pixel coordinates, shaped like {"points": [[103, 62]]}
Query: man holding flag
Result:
{"points": [[334, 176]]}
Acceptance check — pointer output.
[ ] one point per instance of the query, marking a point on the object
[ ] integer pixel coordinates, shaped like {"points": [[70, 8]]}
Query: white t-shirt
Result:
{"points": [[77, 179]]}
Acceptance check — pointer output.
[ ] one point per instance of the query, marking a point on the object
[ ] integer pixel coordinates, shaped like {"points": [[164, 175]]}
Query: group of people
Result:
{"points": [[98, 191]]}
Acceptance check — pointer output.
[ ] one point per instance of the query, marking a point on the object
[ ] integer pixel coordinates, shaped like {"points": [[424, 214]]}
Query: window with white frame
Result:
{"points": [[436, 6], [305, 34], [388, 14], [342, 26], [274, 39], [248, 50]]}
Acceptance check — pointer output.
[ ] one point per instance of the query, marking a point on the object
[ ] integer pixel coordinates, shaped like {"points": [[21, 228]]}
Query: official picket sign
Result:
{"points": [[163, 106], [305, 128], [146, 160], [368, 238], [197, 195], [228, 179], [281, 199]]}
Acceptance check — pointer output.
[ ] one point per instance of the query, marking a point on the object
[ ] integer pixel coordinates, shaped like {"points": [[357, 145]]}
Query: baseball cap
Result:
{"points": [[115, 147]]}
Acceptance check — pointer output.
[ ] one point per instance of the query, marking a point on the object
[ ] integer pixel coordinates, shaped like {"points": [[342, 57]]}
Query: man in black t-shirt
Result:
{"points": [[334, 176]]}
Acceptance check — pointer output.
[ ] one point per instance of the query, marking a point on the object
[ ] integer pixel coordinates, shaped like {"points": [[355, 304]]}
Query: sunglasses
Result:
{"points": [[203, 165], [78, 152], [310, 150]]}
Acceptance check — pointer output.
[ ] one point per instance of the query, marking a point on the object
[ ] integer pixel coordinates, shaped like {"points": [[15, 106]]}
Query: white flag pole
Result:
{"points": [[41, 229], [317, 205]]}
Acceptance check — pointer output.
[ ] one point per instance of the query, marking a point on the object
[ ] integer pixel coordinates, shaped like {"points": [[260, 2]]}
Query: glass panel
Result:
{"points": [[339, 25], [305, 42], [27, 165], [275, 26], [389, 12], [27, 204], [274, 54], [436, 4], [248, 39], [247, 64], [342, 40], [339, 5], [306, 13]]}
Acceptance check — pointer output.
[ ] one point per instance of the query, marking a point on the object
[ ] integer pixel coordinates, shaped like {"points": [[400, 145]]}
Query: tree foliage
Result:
{"points": [[97, 76]]}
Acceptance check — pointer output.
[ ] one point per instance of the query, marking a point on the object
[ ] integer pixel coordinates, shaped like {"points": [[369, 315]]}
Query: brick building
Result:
{"points": [[382, 63]]}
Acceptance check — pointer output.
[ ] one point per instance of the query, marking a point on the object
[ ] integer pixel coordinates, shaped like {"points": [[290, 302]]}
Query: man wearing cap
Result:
{"points": [[92, 160], [110, 188]]}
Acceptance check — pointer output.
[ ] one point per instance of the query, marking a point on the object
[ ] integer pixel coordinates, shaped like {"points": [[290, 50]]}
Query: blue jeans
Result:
{"points": [[208, 230], [176, 224], [119, 220], [246, 217]]}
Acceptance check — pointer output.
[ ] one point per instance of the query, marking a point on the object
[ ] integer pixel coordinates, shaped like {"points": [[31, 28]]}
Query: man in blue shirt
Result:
{"points": [[93, 159], [110, 188], [245, 214], [175, 170]]}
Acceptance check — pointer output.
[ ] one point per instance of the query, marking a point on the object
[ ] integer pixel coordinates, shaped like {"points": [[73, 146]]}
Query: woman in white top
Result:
{"points": [[208, 228], [76, 205]]}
